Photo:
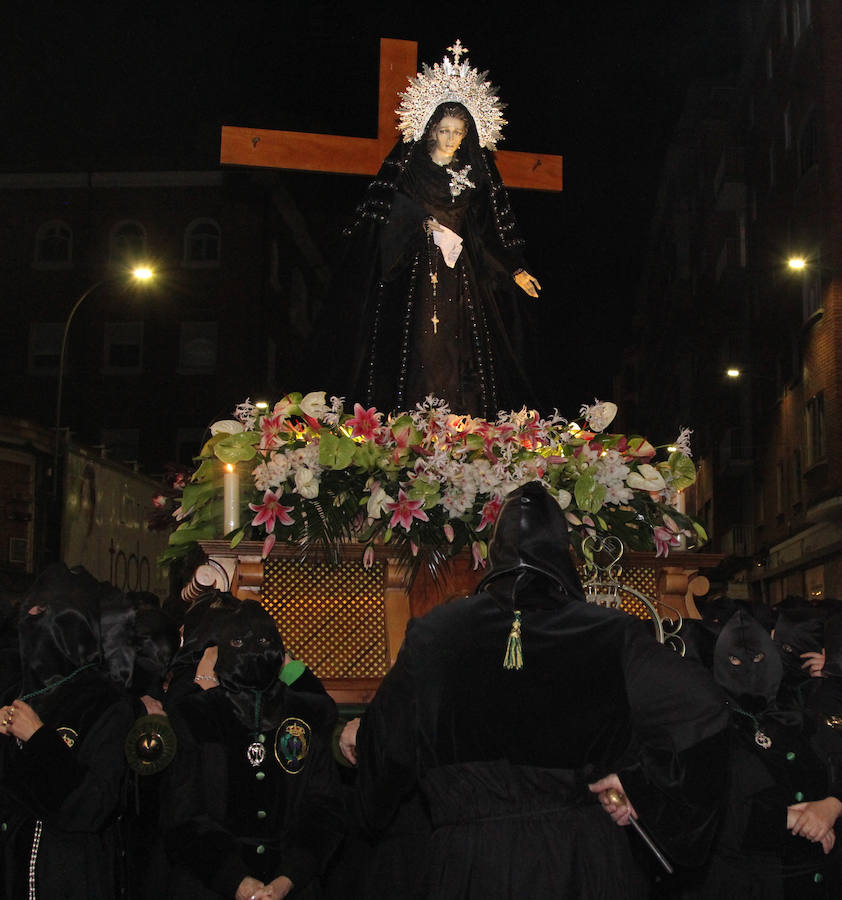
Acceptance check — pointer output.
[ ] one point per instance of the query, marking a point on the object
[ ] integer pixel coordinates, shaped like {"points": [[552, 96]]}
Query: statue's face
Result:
{"points": [[448, 134]]}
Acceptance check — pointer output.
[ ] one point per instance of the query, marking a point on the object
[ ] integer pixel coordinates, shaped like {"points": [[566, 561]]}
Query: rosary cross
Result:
{"points": [[435, 320]]}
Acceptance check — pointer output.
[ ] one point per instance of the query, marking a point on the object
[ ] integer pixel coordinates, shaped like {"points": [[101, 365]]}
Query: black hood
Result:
{"points": [[64, 634], [154, 643], [529, 551], [251, 652], [833, 646], [746, 664], [798, 630]]}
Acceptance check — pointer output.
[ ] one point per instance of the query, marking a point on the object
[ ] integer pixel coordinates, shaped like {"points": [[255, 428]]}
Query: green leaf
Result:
{"points": [[336, 451], [197, 493], [366, 455], [683, 470], [589, 494], [236, 448], [237, 538]]}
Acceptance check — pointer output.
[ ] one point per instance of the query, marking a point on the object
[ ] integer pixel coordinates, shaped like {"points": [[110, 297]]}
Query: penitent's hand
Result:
{"points": [[813, 819], [19, 720], [431, 225], [613, 799], [348, 741], [275, 890], [248, 888], [814, 663], [527, 283]]}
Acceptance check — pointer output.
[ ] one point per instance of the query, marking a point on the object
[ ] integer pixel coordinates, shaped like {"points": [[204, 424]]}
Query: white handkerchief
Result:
{"points": [[450, 245]]}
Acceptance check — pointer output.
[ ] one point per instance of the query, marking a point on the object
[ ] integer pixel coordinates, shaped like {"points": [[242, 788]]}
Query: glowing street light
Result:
{"points": [[798, 263], [140, 273]]}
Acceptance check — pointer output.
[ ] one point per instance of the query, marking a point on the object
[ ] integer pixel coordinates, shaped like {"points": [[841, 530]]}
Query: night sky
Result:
{"points": [[118, 86]]}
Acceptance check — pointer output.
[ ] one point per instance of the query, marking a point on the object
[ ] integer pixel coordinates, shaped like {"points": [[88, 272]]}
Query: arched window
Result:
{"points": [[127, 242], [54, 246], [202, 243]]}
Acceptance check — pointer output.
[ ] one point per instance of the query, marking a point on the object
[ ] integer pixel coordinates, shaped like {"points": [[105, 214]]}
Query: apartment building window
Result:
{"points": [[811, 292], [808, 144], [127, 242], [780, 487], [54, 246], [796, 477], [202, 244], [122, 443], [198, 347], [123, 348], [44, 348], [814, 427]]}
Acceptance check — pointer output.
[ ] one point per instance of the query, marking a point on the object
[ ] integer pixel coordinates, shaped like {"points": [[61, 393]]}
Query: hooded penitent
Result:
{"points": [[59, 627], [529, 553], [251, 655], [746, 664]]}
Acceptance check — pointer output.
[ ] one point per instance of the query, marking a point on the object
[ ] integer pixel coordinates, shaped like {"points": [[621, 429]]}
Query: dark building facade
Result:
{"points": [[147, 367], [752, 181]]}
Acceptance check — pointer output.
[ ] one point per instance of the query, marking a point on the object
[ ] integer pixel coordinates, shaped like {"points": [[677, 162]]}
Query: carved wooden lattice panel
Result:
{"points": [[331, 617], [642, 580]]}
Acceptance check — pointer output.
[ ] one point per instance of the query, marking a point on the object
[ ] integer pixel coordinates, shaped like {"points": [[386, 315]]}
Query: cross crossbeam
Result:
{"points": [[312, 152]]}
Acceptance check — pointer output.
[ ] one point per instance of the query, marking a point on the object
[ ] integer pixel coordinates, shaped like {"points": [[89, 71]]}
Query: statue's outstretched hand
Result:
{"points": [[527, 283]]}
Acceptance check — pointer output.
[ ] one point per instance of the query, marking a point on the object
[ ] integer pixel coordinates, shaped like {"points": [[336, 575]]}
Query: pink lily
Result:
{"points": [[270, 429], [364, 422], [368, 556], [448, 532], [404, 510], [664, 539], [477, 552], [271, 511], [490, 511], [268, 544]]}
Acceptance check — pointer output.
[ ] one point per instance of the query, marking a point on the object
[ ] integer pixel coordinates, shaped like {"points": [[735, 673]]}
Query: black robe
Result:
{"points": [[229, 819], [504, 757], [69, 776], [384, 300]]}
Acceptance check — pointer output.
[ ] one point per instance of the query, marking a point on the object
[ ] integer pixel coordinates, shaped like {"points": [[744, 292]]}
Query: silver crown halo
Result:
{"points": [[451, 81]]}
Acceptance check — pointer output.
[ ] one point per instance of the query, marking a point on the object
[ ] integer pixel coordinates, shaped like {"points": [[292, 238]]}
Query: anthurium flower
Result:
{"points": [[376, 501], [646, 478], [227, 426], [600, 415], [365, 422], [404, 510], [287, 406], [271, 511], [313, 404]]}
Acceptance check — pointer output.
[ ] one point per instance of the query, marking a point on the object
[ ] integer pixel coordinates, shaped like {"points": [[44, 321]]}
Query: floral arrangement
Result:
{"points": [[429, 480]]}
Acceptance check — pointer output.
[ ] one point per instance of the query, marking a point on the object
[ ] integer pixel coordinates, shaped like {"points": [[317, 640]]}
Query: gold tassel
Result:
{"points": [[514, 648]]}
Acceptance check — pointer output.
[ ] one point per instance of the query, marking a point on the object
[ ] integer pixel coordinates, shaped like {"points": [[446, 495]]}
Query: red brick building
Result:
{"points": [[752, 180]]}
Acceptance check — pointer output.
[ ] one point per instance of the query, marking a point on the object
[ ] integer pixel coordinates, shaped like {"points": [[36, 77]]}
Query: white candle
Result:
{"points": [[230, 500]]}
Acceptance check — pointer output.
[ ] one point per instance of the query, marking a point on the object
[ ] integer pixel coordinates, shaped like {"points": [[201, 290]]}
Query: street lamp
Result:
{"points": [[139, 273]]}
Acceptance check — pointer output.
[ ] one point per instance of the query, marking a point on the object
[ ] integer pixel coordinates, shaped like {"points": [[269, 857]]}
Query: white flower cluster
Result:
{"points": [[300, 464]]}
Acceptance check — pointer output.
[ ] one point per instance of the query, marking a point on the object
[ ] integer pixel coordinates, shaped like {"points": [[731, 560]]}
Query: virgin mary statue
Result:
{"points": [[437, 258]]}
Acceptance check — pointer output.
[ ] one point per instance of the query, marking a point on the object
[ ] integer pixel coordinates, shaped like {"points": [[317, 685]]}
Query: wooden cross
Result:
{"points": [[363, 156]]}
